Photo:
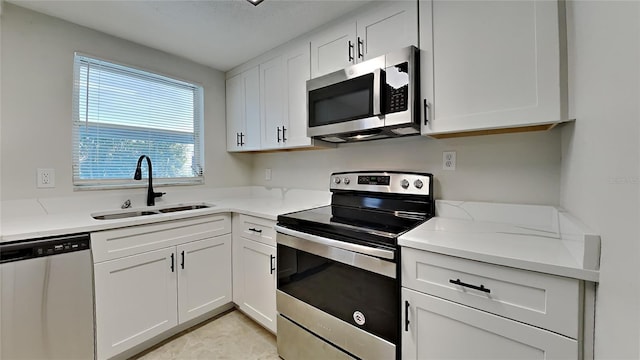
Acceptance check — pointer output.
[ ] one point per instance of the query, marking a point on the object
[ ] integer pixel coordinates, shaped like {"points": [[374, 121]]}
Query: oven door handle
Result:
{"points": [[367, 250]]}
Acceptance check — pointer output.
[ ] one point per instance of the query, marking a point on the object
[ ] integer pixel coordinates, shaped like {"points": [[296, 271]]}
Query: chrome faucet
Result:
{"points": [[151, 195]]}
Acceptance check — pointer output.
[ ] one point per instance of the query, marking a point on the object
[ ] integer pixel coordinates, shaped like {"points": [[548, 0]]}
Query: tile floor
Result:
{"points": [[229, 336]]}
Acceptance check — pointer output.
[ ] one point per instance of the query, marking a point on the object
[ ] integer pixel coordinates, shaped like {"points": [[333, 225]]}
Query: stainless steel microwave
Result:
{"points": [[375, 99]]}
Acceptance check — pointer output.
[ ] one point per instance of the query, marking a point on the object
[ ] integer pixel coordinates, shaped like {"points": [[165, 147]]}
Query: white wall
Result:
{"points": [[511, 168], [37, 67], [601, 156]]}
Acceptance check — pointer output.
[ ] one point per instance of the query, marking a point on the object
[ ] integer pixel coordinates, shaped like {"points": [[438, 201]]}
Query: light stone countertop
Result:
{"points": [[35, 218], [530, 237]]}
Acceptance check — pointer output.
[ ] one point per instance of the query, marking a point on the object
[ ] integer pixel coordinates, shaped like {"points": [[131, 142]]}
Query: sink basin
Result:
{"points": [[121, 214], [183, 208]]}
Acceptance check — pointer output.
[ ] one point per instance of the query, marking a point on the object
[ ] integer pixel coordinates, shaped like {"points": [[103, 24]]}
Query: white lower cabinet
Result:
{"points": [[140, 296], [135, 300], [254, 269], [259, 282], [434, 328], [204, 276], [456, 308]]}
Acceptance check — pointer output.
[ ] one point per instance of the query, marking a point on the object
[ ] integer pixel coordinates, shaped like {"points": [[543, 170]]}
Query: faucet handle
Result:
{"points": [[126, 204]]}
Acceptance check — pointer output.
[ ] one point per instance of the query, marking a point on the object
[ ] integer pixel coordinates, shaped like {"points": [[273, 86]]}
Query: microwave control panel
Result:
{"points": [[396, 79]]}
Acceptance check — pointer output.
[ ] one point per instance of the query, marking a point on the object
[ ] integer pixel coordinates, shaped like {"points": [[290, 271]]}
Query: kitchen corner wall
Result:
{"points": [[37, 82], [600, 179], [510, 168]]}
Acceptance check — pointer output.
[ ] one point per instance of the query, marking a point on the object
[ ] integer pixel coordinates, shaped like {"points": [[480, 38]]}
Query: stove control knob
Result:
{"points": [[404, 183], [346, 181], [418, 184], [336, 180]]}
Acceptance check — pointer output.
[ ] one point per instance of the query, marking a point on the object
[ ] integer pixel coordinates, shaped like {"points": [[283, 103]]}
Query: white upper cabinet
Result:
{"points": [[391, 26], [490, 65], [272, 102], [297, 72], [243, 111], [386, 27], [333, 49], [283, 100]]}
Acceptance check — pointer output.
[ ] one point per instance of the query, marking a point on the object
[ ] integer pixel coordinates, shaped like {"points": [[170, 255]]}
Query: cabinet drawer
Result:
{"points": [[434, 328], [257, 229], [547, 301], [112, 244]]}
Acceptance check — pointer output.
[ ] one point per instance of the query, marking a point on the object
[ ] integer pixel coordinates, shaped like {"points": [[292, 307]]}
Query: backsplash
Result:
{"points": [[509, 168]]}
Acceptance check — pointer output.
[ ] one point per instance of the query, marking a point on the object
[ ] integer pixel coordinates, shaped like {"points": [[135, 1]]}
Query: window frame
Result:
{"points": [[128, 183]]}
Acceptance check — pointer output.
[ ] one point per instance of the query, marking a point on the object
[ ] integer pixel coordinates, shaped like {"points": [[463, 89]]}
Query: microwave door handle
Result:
{"points": [[378, 91]]}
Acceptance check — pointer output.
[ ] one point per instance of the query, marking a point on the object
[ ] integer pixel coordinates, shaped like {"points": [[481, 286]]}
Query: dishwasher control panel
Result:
{"points": [[63, 246], [34, 248]]}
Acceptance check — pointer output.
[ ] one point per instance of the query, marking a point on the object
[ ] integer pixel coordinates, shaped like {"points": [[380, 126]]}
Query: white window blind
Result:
{"points": [[120, 113]]}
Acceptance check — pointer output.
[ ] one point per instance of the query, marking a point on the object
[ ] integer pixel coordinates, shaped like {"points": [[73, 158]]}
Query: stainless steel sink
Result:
{"points": [[123, 215], [153, 211], [183, 208]]}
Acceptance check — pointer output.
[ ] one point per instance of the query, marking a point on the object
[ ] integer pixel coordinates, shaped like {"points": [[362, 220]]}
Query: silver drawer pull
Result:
{"points": [[474, 287]]}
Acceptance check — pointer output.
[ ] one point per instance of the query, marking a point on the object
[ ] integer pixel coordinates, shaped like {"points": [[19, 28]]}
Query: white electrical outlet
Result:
{"points": [[449, 160], [46, 178], [267, 174]]}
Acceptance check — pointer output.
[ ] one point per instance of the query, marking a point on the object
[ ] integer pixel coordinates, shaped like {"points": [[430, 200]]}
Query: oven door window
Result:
{"points": [[341, 290], [348, 100]]}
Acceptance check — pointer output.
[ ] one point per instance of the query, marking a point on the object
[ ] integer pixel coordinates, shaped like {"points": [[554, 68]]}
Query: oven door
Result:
{"points": [[345, 297]]}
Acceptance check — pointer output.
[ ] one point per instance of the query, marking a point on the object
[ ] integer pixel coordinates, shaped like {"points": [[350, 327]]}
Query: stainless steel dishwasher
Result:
{"points": [[46, 299]]}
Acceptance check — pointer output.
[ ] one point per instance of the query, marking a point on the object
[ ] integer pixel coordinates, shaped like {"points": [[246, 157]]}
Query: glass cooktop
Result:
{"points": [[357, 225]]}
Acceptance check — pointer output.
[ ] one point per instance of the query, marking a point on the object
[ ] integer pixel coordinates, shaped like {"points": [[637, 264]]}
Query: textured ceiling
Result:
{"points": [[219, 33]]}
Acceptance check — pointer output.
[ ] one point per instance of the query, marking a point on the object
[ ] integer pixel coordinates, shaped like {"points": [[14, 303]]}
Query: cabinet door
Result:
{"points": [[297, 72], [235, 111], [496, 64], [251, 138], [204, 276], [135, 300], [333, 49], [386, 28], [425, 11], [258, 281], [243, 111], [440, 329], [272, 83]]}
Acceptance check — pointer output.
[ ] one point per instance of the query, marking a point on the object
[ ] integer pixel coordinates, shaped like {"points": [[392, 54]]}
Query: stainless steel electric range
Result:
{"points": [[338, 291]]}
